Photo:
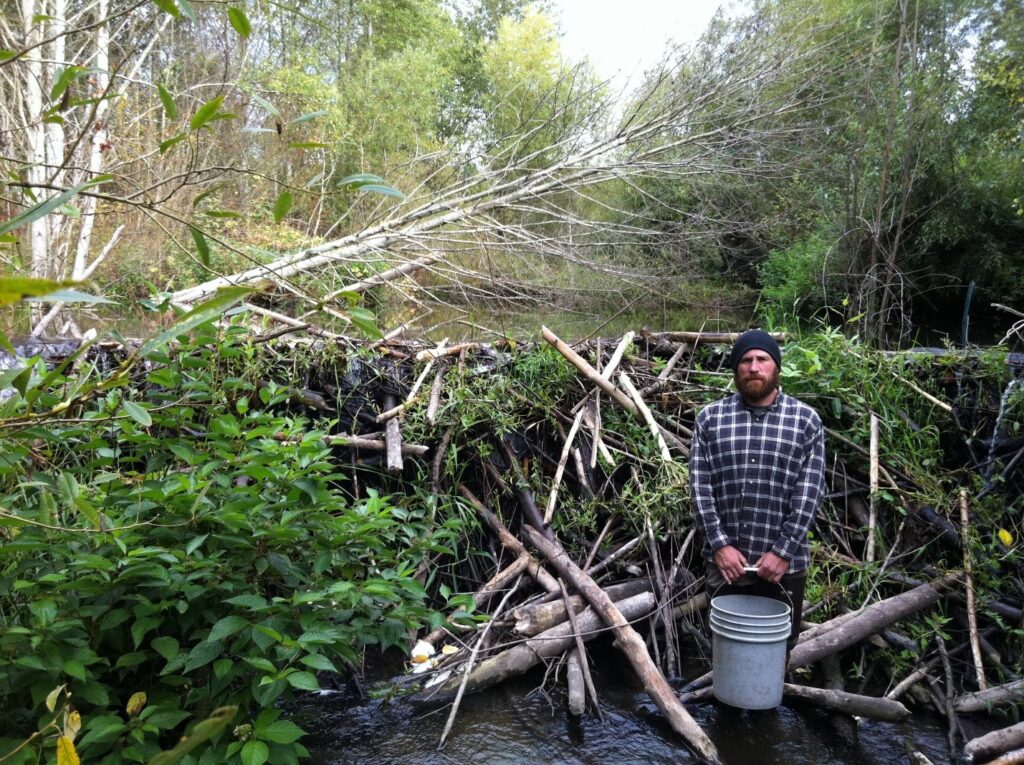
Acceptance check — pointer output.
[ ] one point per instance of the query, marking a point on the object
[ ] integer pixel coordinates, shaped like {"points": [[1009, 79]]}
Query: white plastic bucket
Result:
{"points": [[749, 635]]}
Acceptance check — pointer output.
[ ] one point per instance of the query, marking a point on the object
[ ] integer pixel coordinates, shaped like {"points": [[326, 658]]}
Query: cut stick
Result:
{"points": [[634, 394], [972, 616], [631, 644], [869, 554], [560, 470], [397, 410], [574, 679], [393, 439], [581, 651], [435, 397], [472, 660]]}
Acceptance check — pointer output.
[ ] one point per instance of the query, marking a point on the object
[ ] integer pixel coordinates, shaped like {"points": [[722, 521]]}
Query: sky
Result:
{"points": [[623, 37]]}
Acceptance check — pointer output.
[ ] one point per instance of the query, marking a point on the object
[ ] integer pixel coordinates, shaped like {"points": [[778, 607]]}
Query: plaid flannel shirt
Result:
{"points": [[757, 479]]}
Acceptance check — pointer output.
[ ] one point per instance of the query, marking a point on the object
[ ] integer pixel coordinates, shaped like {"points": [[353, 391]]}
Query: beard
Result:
{"points": [[757, 387]]}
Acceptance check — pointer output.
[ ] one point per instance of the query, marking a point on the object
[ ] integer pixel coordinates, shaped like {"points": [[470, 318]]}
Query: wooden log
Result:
{"points": [[1015, 757], [984, 748], [868, 621], [983, 701], [580, 650], [574, 678], [534, 618], [522, 657], [870, 707], [631, 644]]}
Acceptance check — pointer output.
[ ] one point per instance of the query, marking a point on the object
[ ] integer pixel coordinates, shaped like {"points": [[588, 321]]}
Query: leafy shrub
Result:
{"points": [[188, 539]]}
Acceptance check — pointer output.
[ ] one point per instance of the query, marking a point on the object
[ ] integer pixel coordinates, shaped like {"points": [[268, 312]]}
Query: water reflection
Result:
{"points": [[519, 724]]}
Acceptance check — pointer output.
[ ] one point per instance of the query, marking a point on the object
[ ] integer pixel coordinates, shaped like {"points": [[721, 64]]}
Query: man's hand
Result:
{"points": [[730, 562], [771, 567]]}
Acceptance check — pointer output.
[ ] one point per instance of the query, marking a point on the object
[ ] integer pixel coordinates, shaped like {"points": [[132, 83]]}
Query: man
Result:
{"points": [[757, 478]]}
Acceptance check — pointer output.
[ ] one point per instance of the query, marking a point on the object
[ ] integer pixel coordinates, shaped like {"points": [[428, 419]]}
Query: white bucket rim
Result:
{"points": [[720, 602], [779, 636]]}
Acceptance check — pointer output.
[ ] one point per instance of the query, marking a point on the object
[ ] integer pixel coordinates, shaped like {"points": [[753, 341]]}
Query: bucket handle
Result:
{"points": [[753, 570]]}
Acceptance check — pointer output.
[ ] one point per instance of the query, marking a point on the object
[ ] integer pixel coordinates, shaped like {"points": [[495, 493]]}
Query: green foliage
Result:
{"points": [[190, 540], [794, 279]]}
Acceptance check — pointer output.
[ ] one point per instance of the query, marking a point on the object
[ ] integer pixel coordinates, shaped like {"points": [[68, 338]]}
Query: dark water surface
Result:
{"points": [[517, 723]]}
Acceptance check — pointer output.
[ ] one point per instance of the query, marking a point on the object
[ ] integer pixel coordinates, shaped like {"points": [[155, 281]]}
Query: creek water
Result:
{"points": [[519, 723]]}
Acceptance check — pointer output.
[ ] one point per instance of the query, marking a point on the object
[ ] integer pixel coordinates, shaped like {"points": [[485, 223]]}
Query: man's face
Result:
{"points": [[756, 375]]}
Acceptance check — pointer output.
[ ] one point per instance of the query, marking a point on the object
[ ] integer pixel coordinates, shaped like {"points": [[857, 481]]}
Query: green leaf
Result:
{"points": [[202, 246], [168, 6], [281, 732], [164, 718], [137, 413], [143, 626], [249, 600], [201, 733], [187, 10], [307, 117], [202, 313], [170, 108], [6, 54], [72, 296], [221, 214], [202, 654], [75, 668], [227, 626], [381, 189], [282, 206], [68, 75], [305, 681], [307, 145], [16, 288], [206, 113], [261, 101], [170, 143], [319, 661], [366, 321], [239, 21], [48, 205], [194, 544], [166, 646], [255, 753], [359, 179]]}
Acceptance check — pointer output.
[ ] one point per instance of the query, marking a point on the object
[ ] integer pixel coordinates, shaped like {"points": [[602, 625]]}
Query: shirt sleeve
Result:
{"points": [[807, 493], [701, 491]]}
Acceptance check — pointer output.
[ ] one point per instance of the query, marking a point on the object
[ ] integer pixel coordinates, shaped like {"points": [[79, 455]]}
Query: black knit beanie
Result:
{"points": [[755, 338]]}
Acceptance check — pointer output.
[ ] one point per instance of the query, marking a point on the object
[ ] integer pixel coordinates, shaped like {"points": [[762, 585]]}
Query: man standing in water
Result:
{"points": [[757, 476]]}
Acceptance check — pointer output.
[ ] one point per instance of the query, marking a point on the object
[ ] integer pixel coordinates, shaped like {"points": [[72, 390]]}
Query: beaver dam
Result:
{"points": [[245, 520]]}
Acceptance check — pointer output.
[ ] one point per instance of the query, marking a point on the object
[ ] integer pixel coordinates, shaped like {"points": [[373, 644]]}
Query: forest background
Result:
{"points": [[176, 537], [855, 162]]}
